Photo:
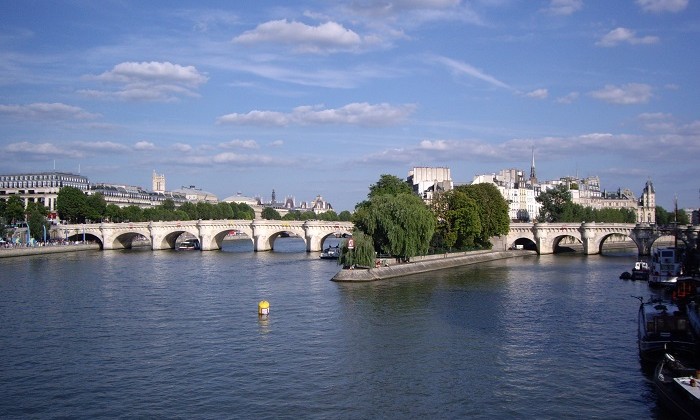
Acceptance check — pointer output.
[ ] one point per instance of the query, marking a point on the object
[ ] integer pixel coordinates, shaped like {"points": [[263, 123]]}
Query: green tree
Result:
{"points": [[113, 213], [190, 209], [14, 209], [269, 213], [206, 211], [389, 184], [36, 220], [492, 210], [243, 211], [168, 204], [225, 210], [292, 215], [132, 214], [328, 216], [345, 216], [95, 207], [553, 203], [362, 254], [400, 224], [70, 204]]}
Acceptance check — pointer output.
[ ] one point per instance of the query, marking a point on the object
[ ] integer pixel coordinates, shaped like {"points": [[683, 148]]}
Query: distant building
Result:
{"points": [[128, 195], [196, 195], [518, 192], [158, 182], [427, 182], [40, 187]]}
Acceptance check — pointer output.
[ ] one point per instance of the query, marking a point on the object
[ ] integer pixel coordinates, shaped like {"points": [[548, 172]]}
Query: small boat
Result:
{"points": [[626, 275], [665, 267], [678, 387], [640, 271], [331, 253], [662, 326], [189, 245]]}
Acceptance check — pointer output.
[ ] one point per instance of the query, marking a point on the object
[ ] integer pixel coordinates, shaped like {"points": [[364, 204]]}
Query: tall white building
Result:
{"points": [[426, 182], [520, 193]]}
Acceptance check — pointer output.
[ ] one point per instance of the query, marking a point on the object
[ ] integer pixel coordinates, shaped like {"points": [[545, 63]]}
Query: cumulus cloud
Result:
{"points": [[105, 147], [148, 81], [659, 6], [563, 7], [538, 94], [144, 145], [629, 94], [44, 110], [623, 35], [324, 38], [360, 114]]}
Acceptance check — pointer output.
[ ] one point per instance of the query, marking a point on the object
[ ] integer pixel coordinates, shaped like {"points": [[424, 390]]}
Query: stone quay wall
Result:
{"points": [[41, 250], [426, 264]]}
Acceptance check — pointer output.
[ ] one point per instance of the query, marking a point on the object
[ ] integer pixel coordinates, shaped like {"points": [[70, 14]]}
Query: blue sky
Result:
{"points": [[320, 97]]}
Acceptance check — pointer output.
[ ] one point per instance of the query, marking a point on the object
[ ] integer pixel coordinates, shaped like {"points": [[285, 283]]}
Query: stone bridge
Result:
{"points": [[211, 233], [545, 237]]}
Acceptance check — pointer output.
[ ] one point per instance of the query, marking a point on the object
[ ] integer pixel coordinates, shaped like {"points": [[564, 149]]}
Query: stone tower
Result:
{"points": [[158, 182], [646, 208]]}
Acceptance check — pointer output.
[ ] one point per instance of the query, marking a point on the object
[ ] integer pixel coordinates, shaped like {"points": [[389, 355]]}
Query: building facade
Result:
{"points": [[427, 182], [41, 187]]}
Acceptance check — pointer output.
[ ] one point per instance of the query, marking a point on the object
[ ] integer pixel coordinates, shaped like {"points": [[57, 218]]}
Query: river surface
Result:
{"points": [[176, 334]]}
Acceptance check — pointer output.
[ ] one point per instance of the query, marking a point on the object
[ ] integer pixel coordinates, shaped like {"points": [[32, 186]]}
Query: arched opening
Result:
{"points": [[131, 240], [524, 244], [567, 243], [286, 241], [85, 238], [617, 244]]}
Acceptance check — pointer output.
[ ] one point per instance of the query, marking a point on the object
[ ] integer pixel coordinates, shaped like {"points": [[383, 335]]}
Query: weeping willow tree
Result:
{"points": [[399, 224], [362, 254]]}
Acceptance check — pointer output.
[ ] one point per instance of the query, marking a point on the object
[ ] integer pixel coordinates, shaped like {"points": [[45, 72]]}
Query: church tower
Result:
{"points": [[533, 176], [158, 182], [646, 208]]}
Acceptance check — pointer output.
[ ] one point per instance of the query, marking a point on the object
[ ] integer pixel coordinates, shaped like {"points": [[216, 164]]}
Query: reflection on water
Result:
{"points": [[139, 333]]}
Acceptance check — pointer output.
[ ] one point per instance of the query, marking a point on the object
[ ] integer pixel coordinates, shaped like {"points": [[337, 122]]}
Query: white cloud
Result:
{"points": [[144, 145], [277, 143], [659, 6], [360, 114], [324, 38], [568, 98], [459, 68], [623, 35], [100, 146], [629, 94], [538, 94], [44, 110], [28, 149], [148, 81], [182, 147], [242, 144], [564, 7]]}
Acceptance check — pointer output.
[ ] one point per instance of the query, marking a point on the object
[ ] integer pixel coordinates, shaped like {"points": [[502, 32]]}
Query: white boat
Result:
{"points": [[640, 271], [678, 387], [189, 245], [663, 326], [331, 253], [665, 267]]}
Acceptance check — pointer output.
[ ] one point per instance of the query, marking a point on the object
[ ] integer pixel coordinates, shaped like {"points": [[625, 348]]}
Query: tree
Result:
{"points": [[190, 209], [36, 220], [70, 204], [492, 210], [269, 213], [345, 216], [168, 204], [243, 211], [553, 203], [362, 254], [95, 207], [400, 224], [113, 213], [389, 184], [14, 209]]}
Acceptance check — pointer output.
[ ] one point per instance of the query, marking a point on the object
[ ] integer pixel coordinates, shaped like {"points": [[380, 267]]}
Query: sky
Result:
{"points": [[312, 98]]}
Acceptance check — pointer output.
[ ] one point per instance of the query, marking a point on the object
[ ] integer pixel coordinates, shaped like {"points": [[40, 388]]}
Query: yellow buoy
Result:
{"points": [[263, 307]]}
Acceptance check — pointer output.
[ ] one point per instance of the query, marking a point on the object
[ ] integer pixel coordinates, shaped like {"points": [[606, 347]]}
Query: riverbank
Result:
{"points": [[41, 250], [425, 264]]}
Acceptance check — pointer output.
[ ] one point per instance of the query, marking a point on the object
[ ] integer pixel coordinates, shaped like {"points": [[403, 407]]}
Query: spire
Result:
{"points": [[533, 176]]}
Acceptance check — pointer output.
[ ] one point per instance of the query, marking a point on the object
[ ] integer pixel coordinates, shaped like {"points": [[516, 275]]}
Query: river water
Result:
{"points": [[173, 334]]}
